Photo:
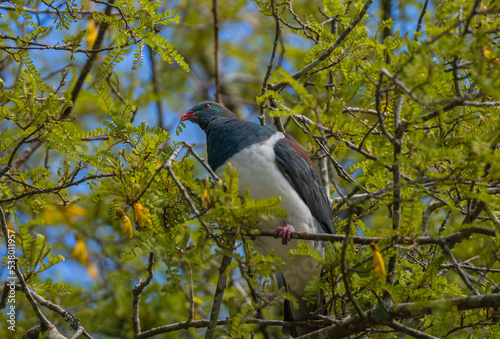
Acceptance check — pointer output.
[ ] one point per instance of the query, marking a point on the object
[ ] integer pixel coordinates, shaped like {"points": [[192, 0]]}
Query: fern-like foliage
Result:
{"points": [[164, 48], [114, 57]]}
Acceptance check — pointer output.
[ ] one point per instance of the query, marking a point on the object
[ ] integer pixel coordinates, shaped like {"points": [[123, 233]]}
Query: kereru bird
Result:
{"points": [[271, 163]]}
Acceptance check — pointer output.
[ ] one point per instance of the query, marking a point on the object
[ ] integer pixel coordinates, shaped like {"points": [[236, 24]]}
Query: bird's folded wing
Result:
{"points": [[296, 166]]}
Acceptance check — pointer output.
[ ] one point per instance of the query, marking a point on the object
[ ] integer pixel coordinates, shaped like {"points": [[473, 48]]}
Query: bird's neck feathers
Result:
{"points": [[212, 121], [227, 136]]}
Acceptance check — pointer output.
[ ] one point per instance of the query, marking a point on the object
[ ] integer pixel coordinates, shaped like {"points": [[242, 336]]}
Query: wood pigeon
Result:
{"points": [[271, 163]]}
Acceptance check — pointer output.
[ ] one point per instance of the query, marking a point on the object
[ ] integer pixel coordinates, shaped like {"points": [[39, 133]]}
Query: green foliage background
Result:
{"points": [[402, 121]]}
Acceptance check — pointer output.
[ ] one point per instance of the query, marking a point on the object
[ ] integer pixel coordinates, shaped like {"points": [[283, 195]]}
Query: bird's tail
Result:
{"points": [[300, 311]]}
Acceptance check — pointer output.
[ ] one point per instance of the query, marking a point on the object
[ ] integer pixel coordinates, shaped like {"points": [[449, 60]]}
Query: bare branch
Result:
{"points": [[48, 11], [45, 324], [343, 265], [56, 188], [450, 239], [355, 324], [421, 18], [336, 44], [204, 323], [174, 155], [137, 290], [201, 161], [277, 33], [156, 87], [185, 195], [76, 90], [6, 168], [410, 331], [216, 52], [386, 313], [219, 294], [67, 316], [459, 270]]}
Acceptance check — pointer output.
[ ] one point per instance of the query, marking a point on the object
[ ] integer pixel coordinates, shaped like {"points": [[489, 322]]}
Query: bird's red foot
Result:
{"points": [[286, 233]]}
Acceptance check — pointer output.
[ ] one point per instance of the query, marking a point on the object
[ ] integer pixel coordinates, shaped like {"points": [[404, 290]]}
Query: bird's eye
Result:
{"points": [[206, 106]]}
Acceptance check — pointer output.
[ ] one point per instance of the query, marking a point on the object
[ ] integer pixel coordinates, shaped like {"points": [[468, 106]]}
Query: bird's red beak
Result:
{"points": [[186, 116]]}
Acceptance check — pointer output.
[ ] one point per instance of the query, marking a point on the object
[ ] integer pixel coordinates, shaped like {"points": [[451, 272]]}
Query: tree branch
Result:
{"points": [[420, 19], [450, 239], [219, 294], [385, 314], [277, 32], [336, 44], [216, 52], [185, 195], [54, 189], [355, 324], [137, 290], [76, 90], [201, 161], [461, 273], [410, 331], [73, 321]]}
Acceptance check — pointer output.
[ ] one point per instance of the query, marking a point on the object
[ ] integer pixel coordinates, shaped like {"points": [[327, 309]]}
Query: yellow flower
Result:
{"points": [[205, 199], [54, 215], [91, 33], [80, 250], [386, 107], [494, 61], [378, 262], [75, 211], [92, 270], [142, 215], [10, 227], [127, 230]]}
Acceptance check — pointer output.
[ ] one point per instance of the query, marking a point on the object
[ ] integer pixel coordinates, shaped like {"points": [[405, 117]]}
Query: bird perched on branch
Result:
{"points": [[271, 163]]}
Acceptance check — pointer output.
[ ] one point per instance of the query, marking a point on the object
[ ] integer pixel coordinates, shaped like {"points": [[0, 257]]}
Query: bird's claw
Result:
{"points": [[286, 234]]}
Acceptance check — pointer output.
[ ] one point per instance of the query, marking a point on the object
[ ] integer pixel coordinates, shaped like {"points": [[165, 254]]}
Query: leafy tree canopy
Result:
{"points": [[114, 225]]}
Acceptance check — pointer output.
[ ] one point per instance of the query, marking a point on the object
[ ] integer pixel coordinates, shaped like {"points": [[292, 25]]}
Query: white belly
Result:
{"points": [[259, 174]]}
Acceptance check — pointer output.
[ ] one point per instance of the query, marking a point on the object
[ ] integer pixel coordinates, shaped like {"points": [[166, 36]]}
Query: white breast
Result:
{"points": [[259, 174]]}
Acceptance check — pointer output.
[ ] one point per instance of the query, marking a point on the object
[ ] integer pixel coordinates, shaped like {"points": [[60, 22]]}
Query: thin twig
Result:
{"points": [[426, 215], [191, 293], [174, 155], [137, 290], [420, 19], [67, 316], [355, 324], [49, 11], [277, 33], [185, 195], [201, 161], [56, 188], [218, 296], [6, 168], [459, 270], [156, 87], [216, 52], [410, 331], [45, 324], [336, 44], [204, 323], [450, 239], [343, 265], [78, 85], [456, 80], [396, 177], [103, 27]]}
